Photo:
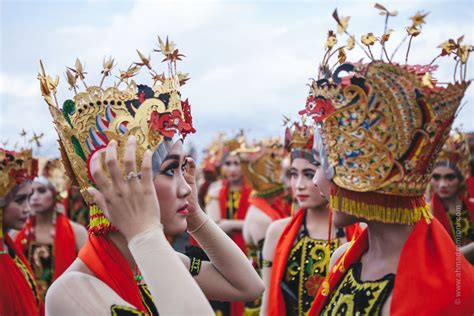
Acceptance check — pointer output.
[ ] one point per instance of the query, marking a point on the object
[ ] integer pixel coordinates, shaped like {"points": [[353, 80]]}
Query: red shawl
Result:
{"points": [[241, 210], [274, 211], [64, 247], [439, 211], [106, 261], [16, 295], [425, 282]]}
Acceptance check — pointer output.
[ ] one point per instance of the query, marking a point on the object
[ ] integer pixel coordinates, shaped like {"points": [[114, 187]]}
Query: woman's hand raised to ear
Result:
{"points": [[130, 203], [196, 214]]}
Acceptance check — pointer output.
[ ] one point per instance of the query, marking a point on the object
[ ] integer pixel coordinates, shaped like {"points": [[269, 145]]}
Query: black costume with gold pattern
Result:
{"points": [[461, 226], [354, 297], [232, 204], [147, 301], [255, 254], [40, 256], [26, 273], [305, 271]]}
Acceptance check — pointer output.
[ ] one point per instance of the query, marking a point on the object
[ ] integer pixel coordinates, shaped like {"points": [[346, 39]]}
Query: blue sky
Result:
{"points": [[249, 61]]}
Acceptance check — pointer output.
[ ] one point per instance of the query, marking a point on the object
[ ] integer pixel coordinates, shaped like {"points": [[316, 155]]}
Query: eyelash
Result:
{"points": [[169, 171], [316, 163], [20, 199]]}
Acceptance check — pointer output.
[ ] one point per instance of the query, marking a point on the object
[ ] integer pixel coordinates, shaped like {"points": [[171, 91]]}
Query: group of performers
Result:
{"points": [[364, 206]]}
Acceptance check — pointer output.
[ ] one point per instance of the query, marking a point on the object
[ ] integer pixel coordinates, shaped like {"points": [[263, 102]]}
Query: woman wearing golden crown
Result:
{"points": [[262, 168], [450, 202], [18, 291], [49, 240], [297, 249], [228, 202], [128, 144], [380, 127]]}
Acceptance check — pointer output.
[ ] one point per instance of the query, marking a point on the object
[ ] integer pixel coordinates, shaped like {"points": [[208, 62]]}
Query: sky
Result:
{"points": [[249, 61]]}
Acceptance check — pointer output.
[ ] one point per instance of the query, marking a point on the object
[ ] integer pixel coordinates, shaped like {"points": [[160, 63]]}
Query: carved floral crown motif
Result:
{"points": [[383, 123], [456, 151], [98, 114]]}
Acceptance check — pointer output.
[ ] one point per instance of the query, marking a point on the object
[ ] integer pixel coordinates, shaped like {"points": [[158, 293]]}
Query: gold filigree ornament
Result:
{"points": [[382, 126], [96, 115], [456, 151]]}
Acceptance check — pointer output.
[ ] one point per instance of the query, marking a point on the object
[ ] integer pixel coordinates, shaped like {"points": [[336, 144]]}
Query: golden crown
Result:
{"points": [[298, 135], [220, 148], [53, 170], [456, 151], [262, 166], [15, 167], [100, 114], [383, 123]]}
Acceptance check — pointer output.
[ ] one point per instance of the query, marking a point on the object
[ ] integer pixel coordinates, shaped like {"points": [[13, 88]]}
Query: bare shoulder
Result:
{"points": [[214, 188], [77, 293], [338, 253], [273, 235], [80, 234], [78, 228]]}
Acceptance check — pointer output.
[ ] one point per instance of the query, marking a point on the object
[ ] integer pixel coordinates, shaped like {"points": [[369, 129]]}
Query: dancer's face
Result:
{"points": [[445, 182], [339, 219], [173, 190], [15, 212], [231, 168], [42, 198], [304, 190]]}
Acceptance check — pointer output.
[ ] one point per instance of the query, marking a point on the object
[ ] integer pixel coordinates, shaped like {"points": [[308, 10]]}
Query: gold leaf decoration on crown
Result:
{"points": [[220, 147], [456, 151], [54, 171], [298, 135], [15, 167], [262, 167], [99, 114], [383, 124]]}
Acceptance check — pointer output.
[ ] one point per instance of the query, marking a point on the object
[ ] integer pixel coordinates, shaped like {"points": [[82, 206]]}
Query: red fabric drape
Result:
{"points": [[240, 212], [276, 300], [427, 273], [272, 210], [64, 243], [439, 211], [106, 261], [16, 295]]}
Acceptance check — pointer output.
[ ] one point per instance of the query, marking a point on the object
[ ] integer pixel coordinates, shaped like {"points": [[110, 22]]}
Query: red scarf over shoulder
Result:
{"points": [[240, 212], [106, 261], [425, 282], [277, 210], [64, 247], [439, 211], [16, 295], [280, 258]]}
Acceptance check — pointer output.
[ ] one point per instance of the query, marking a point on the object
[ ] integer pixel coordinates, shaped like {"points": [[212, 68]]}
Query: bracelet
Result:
{"points": [[195, 266], [199, 227], [266, 263]]}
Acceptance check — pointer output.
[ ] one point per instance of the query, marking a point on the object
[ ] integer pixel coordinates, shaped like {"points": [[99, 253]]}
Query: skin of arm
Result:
{"points": [[80, 234], [228, 276], [271, 240], [255, 226]]}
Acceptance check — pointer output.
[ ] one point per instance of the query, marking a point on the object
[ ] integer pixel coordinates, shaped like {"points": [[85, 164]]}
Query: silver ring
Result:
{"points": [[132, 175]]}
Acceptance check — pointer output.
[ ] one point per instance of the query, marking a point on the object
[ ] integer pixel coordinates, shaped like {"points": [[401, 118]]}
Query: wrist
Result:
{"points": [[196, 220], [134, 232]]}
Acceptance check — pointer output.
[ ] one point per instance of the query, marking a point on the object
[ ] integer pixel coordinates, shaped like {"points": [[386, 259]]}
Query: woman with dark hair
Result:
{"points": [[49, 240], [123, 146], [297, 249], [450, 201], [18, 291]]}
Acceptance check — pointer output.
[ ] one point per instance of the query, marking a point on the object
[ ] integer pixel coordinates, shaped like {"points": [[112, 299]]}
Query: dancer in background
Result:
{"points": [[18, 291]]}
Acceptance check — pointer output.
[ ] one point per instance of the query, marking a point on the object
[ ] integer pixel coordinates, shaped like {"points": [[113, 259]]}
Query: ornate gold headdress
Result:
{"points": [[298, 138], [262, 167], [97, 115], [53, 171], [15, 167], [382, 125], [456, 151], [222, 146]]}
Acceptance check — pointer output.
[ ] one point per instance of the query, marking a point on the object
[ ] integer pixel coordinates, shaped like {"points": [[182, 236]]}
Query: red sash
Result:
{"points": [[272, 210], [439, 211], [108, 264], [240, 212], [425, 282], [64, 243], [16, 295]]}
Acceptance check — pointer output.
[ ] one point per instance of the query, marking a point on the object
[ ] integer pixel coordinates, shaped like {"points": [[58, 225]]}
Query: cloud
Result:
{"points": [[249, 62]]}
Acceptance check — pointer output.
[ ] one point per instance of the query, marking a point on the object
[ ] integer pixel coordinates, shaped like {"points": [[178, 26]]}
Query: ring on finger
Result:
{"points": [[133, 174]]}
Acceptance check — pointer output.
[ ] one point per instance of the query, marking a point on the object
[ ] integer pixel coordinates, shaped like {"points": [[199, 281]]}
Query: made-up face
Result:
{"points": [[42, 198], [307, 194], [445, 182], [16, 211], [173, 190], [231, 168]]}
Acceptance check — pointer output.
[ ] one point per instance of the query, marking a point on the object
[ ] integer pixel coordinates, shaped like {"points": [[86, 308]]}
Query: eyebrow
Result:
{"points": [[308, 170], [172, 157], [315, 152]]}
